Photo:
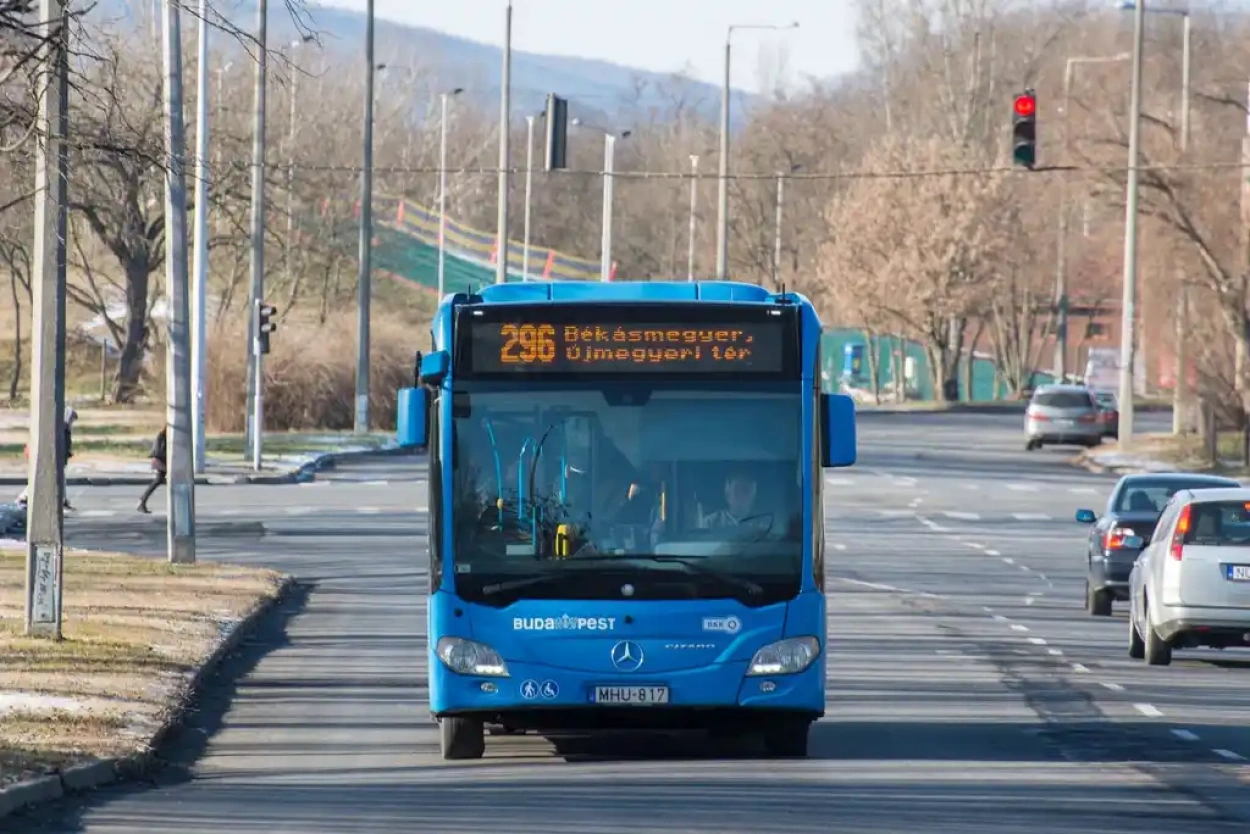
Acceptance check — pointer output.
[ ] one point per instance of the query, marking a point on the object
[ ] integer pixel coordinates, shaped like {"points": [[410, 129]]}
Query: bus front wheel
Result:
{"points": [[787, 739], [461, 738]]}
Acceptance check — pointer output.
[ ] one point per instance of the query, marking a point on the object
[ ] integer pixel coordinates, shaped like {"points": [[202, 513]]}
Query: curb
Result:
{"points": [[304, 472], [94, 774]]}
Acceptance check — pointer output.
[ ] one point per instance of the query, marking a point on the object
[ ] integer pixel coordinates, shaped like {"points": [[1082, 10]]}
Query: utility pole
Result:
{"points": [[180, 518], [364, 274], [529, 184], [1180, 385], [722, 180], [505, 151], [199, 298], [44, 518], [1128, 323], [694, 196], [1245, 204], [609, 163], [255, 374], [442, 190], [781, 190]]}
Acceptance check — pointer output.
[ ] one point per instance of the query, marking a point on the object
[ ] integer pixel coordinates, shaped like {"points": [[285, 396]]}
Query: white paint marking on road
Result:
{"points": [[368, 510], [896, 513], [374, 483], [1083, 491], [961, 515], [1018, 627], [992, 553], [229, 512], [1025, 568], [973, 487], [1114, 687], [1022, 487], [1079, 667], [977, 545], [839, 546], [1009, 560], [1148, 710], [1020, 652], [1055, 652], [1227, 754], [988, 610], [1037, 641], [1029, 600], [876, 586], [314, 483], [298, 510], [904, 482], [97, 513], [1030, 516], [839, 481], [1184, 735], [999, 617]]}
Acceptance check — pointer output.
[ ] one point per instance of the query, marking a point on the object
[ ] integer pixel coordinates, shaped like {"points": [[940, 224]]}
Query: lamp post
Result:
{"points": [[1128, 305], [722, 206], [529, 187], [609, 166], [442, 189], [781, 185]]}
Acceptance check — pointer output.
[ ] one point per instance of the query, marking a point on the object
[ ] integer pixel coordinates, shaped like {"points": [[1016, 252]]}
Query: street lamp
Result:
{"points": [[529, 185], [694, 196], [781, 183], [1061, 276], [722, 208], [442, 188], [1182, 311], [609, 164]]}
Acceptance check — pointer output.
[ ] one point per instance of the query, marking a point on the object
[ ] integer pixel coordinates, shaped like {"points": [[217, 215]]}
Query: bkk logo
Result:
{"points": [[564, 622], [729, 625]]}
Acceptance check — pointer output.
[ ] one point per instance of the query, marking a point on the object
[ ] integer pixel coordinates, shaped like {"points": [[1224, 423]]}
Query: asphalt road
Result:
{"points": [[969, 692]]}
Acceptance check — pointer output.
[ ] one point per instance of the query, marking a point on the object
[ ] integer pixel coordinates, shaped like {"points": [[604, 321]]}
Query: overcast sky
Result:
{"points": [[660, 35]]}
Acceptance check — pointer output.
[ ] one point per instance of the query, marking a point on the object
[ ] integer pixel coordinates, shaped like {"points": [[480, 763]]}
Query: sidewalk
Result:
{"points": [[1109, 459], [100, 470]]}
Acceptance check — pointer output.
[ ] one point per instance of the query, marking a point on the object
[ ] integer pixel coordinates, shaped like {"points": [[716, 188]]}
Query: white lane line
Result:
{"points": [[1083, 490], [1018, 627], [1009, 560], [1025, 568], [1227, 754], [1029, 600], [1114, 687], [977, 545], [961, 515], [1055, 652], [1030, 516], [839, 482], [896, 513], [314, 483], [1148, 710], [298, 510], [905, 482], [374, 483], [839, 546], [915, 502], [1079, 667], [1037, 641], [368, 510], [1022, 487], [989, 610], [96, 513], [1184, 735], [992, 553]]}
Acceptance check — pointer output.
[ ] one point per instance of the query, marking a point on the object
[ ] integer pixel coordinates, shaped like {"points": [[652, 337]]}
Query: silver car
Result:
{"points": [[1191, 585], [1062, 415]]}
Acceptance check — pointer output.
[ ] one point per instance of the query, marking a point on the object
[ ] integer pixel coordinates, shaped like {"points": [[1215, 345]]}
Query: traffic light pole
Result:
{"points": [[258, 407]]}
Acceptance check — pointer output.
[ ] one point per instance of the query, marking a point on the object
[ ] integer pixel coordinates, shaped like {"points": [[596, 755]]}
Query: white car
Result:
{"points": [[1191, 586]]}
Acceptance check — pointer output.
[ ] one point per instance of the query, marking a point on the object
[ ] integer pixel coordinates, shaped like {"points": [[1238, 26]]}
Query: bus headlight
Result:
{"points": [[785, 657], [467, 657]]}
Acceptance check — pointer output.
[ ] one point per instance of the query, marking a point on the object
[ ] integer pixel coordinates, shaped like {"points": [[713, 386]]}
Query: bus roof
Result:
{"points": [[530, 292]]}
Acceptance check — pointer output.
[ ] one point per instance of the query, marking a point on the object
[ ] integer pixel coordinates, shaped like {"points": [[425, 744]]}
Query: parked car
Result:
{"points": [[1191, 586], [1126, 527], [1062, 415], [1109, 413]]}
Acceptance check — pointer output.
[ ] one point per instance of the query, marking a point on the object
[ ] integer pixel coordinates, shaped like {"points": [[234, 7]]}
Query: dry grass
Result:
{"points": [[134, 629]]}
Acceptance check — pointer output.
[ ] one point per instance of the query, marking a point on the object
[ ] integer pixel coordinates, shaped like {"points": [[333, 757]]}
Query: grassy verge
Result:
{"points": [[1189, 453], [134, 629]]}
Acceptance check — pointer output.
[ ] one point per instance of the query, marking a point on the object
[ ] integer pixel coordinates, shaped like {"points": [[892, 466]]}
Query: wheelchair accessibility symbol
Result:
{"points": [[550, 689], [529, 690]]}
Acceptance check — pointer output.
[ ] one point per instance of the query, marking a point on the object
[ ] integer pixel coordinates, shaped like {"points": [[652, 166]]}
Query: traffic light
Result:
{"points": [[1024, 130], [557, 132], [264, 312]]}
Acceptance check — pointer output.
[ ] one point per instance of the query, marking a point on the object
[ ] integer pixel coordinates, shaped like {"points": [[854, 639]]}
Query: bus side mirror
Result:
{"points": [[434, 367], [412, 422], [838, 443]]}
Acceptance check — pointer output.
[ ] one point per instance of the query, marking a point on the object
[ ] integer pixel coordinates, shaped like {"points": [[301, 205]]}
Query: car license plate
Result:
{"points": [[1237, 573], [631, 696], [1064, 423]]}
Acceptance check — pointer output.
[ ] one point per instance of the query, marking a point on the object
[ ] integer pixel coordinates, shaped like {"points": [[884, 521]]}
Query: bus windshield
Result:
{"points": [[650, 490]]}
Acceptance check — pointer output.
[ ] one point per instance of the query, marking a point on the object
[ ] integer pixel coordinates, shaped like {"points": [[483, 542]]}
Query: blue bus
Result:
{"points": [[625, 514]]}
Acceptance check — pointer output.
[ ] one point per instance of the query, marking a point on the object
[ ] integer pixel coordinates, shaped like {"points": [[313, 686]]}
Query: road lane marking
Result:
{"points": [[1079, 667], [1018, 627], [896, 513], [96, 513], [992, 553], [1030, 516], [1148, 710], [368, 510], [1009, 560], [1184, 735], [977, 545], [1083, 491], [1055, 652], [839, 546], [1022, 487], [839, 482], [1037, 641], [1029, 600], [961, 515], [1114, 687], [1227, 754], [314, 483]]}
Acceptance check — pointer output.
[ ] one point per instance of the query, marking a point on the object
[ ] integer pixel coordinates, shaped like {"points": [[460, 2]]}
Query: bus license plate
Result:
{"points": [[631, 696], [1238, 573]]}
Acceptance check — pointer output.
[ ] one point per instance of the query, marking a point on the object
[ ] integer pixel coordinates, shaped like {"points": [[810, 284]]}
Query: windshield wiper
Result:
{"points": [[689, 567], [523, 582]]}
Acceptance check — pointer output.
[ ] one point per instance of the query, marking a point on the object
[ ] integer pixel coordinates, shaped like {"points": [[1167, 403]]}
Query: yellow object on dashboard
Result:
{"points": [[564, 540]]}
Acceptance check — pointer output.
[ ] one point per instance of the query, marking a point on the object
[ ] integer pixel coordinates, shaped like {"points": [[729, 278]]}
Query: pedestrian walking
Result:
{"points": [[67, 452], [160, 465]]}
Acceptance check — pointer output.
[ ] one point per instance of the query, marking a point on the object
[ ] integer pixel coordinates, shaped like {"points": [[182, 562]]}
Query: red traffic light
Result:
{"points": [[1026, 105]]}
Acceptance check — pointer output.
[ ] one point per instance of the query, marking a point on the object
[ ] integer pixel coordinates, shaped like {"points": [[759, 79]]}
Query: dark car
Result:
{"points": [[1108, 413], [1125, 529]]}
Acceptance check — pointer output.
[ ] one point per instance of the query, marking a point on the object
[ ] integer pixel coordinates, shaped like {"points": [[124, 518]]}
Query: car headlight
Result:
{"points": [[785, 657], [467, 657]]}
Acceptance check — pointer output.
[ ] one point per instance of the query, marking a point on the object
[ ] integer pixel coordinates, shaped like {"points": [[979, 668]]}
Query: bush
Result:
{"points": [[310, 373]]}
